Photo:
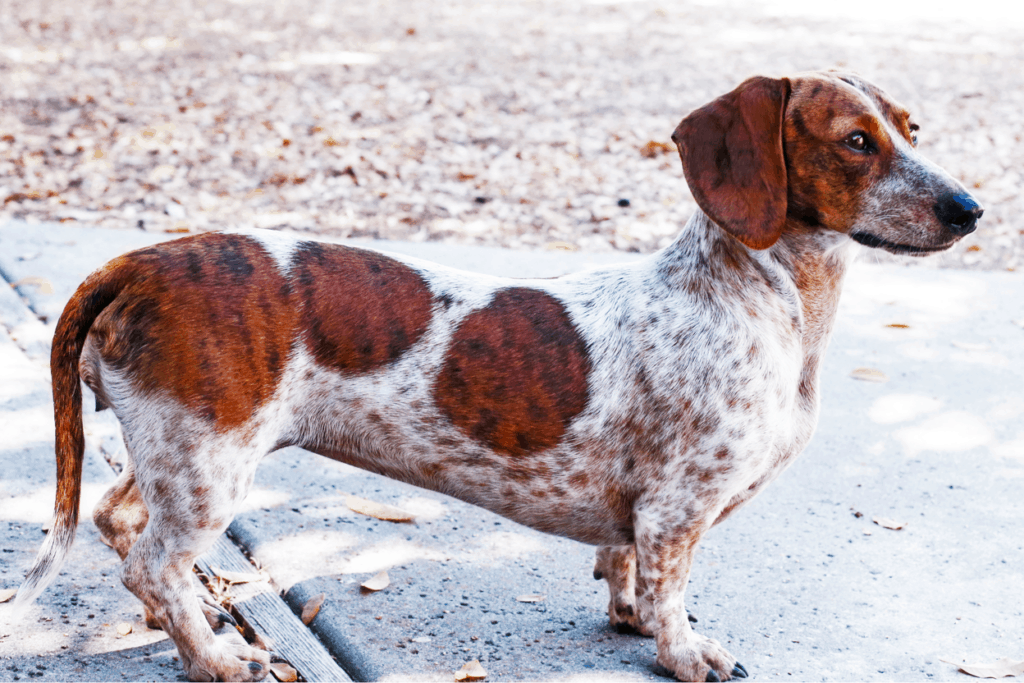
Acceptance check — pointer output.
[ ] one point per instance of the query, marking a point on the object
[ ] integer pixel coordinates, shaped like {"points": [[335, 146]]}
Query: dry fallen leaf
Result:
{"points": [[471, 671], [238, 577], [898, 326], [377, 510], [1004, 667], [869, 375], [887, 523], [380, 581], [533, 597], [124, 628], [41, 282], [7, 593], [653, 149], [283, 672], [312, 608]]}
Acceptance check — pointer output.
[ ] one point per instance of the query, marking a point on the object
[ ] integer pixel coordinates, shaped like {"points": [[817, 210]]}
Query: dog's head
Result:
{"points": [[822, 150]]}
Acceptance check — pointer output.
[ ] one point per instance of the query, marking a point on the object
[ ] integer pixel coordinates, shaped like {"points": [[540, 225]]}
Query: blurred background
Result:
{"points": [[508, 123]]}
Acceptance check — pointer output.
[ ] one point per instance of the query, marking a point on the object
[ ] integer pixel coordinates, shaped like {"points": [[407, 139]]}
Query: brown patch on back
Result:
{"points": [[208, 319], [361, 309], [516, 373]]}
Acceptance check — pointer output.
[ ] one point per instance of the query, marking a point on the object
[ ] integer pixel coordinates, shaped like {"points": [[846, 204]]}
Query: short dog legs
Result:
{"points": [[188, 508], [121, 517], [617, 566], [159, 572], [663, 560]]}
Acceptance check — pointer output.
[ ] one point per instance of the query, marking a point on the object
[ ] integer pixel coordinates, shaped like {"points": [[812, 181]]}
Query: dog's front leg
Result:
{"points": [[664, 555]]}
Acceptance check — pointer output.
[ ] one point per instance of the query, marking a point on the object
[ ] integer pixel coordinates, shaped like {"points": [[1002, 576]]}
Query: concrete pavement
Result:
{"points": [[797, 585]]}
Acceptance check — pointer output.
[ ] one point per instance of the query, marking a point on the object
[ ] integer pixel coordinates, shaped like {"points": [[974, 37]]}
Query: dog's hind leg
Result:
{"points": [[617, 565], [121, 516], [191, 491]]}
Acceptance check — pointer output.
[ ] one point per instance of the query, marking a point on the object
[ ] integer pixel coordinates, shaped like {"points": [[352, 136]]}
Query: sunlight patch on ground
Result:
{"points": [[328, 544], [954, 430], [27, 428], [387, 555], [505, 544], [424, 509], [924, 303], [261, 497], [36, 506], [895, 408], [1013, 450]]}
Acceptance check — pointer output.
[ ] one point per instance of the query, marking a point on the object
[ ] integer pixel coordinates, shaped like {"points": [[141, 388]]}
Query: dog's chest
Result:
{"points": [[709, 389]]}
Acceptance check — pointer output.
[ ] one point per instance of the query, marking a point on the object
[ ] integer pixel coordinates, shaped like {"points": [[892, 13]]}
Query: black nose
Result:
{"points": [[959, 212]]}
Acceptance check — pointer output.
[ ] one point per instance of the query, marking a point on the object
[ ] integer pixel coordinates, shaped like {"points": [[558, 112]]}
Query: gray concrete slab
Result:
{"points": [[796, 585]]}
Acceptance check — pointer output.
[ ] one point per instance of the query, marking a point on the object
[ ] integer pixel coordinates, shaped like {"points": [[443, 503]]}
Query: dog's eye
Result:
{"points": [[858, 141], [913, 132]]}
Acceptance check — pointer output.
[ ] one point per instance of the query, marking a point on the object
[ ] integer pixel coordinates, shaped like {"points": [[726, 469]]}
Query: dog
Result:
{"points": [[629, 407]]}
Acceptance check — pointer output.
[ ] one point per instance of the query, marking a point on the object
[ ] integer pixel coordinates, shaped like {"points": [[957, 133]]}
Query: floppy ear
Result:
{"points": [[733, 160]]}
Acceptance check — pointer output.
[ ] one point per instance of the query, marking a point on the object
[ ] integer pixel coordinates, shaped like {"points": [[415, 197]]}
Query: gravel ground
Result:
{"points": [[516, 124]]}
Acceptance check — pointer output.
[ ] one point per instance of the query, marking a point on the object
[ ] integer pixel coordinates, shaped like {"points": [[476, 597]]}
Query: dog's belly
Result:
{"points": [[544, 502]]}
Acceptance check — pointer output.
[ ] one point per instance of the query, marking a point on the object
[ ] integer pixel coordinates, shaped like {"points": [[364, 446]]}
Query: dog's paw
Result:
{"points": [[617, 566], [231, 659], [699, 658], [624, 618]]}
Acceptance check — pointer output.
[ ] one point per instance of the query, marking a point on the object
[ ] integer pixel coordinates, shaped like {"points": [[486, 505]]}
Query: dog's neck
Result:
{"points": [[805, 267], [804, 270]]}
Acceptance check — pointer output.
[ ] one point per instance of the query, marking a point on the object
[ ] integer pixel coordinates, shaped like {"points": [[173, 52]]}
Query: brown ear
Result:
{"points": [[733, 160]]}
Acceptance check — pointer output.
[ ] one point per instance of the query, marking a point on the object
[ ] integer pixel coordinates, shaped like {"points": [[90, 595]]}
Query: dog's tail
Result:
{"points": [[98, 290]]}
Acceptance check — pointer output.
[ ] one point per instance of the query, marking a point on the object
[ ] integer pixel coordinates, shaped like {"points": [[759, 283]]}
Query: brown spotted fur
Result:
{"points": [[211, 322], [516, 373], [360, 309]]}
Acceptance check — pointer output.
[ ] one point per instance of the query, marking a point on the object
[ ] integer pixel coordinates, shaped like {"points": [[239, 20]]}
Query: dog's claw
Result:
{"points": [[712, 676], [739, 671], [659, 670], [693, 619], [216, 616]]}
